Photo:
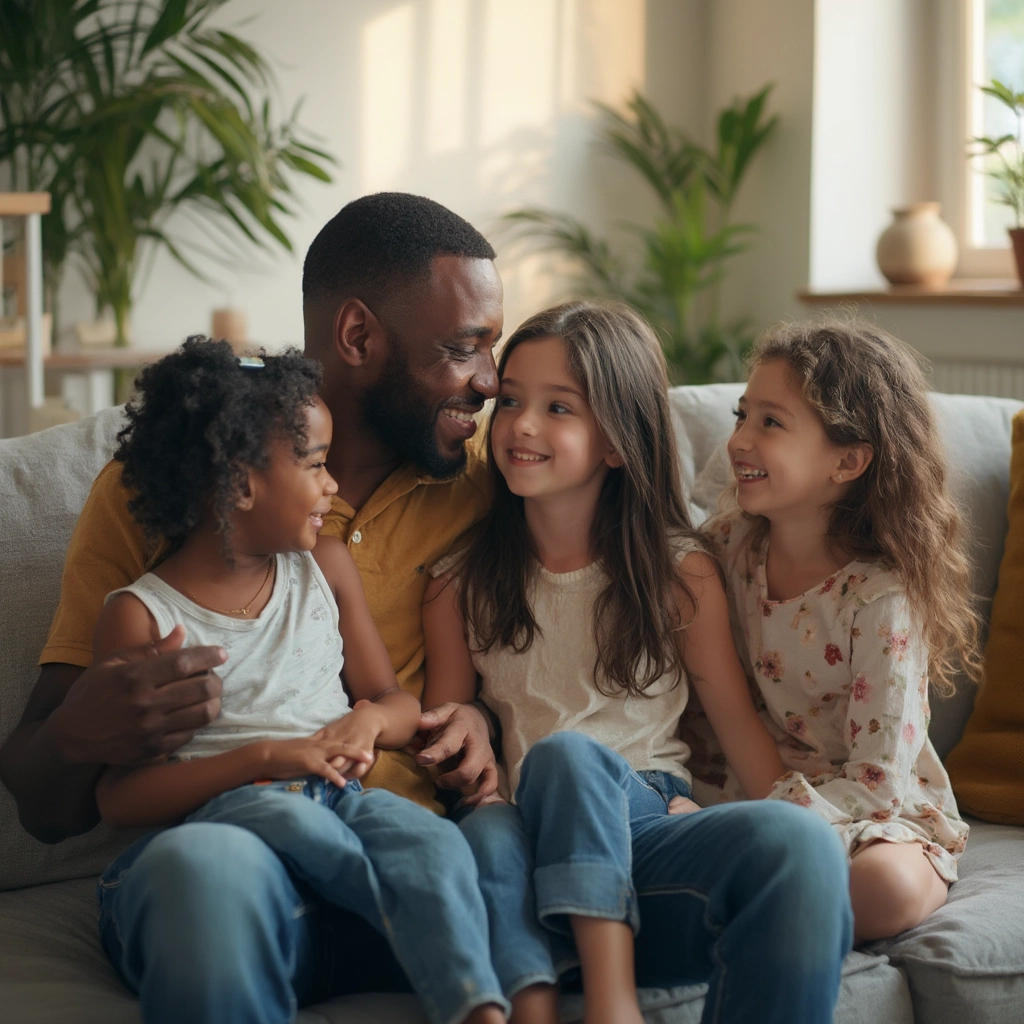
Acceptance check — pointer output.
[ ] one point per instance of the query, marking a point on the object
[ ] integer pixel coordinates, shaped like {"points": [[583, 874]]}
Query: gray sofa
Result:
{"points": [[964, 964]]}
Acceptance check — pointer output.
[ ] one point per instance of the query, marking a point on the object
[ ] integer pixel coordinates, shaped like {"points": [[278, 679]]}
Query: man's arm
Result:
{"points": [[131, 708]]}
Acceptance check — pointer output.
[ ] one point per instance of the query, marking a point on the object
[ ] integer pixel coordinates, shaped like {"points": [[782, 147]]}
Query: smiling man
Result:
{"points": [[402, 305]]}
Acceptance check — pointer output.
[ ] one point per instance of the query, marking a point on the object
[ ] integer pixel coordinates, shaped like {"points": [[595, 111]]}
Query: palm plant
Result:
{"points": [[129, 110], [681, 259]]}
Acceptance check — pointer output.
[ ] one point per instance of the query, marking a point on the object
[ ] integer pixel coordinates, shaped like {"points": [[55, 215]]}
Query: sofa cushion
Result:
{"points": [[977, 434], [53, 970], [987, 768], [44, 480], [966, 961]]}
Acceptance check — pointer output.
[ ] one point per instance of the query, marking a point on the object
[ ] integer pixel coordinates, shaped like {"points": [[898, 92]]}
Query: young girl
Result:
{"points": [[590, 605], [227, 459], [847, 576]]}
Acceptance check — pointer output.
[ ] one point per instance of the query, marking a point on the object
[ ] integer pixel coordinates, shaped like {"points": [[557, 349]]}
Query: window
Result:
{"points": [[988, 39]]}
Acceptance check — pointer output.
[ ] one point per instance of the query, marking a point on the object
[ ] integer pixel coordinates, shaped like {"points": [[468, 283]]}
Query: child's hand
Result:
{"points": [[331, 759], [359, 729], [682, 805]]}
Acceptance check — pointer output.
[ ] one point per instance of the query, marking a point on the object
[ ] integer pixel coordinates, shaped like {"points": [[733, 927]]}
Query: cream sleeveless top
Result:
{"points": [[282, 677], [550, 687]]}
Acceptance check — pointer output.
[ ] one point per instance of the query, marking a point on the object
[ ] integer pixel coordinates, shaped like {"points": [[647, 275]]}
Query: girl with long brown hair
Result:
{"points": [[588, 605], [846, 572]]}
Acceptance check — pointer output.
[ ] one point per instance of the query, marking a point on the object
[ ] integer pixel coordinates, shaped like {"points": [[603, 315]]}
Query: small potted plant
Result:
{"points": [[1007, 167]]}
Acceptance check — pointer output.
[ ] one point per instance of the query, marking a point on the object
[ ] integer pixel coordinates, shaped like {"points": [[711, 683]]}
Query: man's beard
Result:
{"points": [[400, 418]]}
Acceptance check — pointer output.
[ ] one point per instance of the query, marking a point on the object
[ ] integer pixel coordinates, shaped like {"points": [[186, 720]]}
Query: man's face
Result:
{"points": [[440, 367]]}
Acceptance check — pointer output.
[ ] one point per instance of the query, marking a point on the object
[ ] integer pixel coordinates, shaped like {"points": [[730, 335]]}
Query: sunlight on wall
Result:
{"points": [[447, 43], [485, 105], [387, 116], [520, 58]]}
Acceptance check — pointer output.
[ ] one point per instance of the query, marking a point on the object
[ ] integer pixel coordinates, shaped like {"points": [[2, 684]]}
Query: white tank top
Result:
{"points": [[282, 677], [550, 687]]}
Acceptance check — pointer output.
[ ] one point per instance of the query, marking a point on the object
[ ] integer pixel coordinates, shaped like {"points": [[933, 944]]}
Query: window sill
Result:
{"points": [[958, 292]]}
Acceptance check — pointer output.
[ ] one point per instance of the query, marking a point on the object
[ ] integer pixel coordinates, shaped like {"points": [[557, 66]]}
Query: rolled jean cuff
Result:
{"points": [[473, 1001], [534, 978], [586, 889]]}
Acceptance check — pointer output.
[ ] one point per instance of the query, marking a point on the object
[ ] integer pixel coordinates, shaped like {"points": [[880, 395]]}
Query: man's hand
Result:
{"points": [[140, 704], [130, 708], [452, 729]]}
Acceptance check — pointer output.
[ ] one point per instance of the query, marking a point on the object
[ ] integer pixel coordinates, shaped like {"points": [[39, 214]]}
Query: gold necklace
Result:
{"points": [[235, 611]]}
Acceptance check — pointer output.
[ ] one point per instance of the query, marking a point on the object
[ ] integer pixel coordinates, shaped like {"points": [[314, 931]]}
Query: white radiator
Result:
{"points": [[973, 377]]}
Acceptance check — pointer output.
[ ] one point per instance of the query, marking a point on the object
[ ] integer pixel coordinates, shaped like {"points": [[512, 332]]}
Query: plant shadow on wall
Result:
{"points": [[674, 271], [127, 111]]}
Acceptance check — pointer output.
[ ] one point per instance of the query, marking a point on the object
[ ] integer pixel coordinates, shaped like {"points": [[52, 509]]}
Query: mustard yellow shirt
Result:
{"points": [[408, 523]]}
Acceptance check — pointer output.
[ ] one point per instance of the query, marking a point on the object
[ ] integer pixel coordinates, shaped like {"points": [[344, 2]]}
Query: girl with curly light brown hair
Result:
{"points": [[847, 576]]}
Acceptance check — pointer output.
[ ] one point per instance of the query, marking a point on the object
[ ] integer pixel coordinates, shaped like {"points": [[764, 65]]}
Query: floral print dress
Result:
{"points": [[840, 675]]}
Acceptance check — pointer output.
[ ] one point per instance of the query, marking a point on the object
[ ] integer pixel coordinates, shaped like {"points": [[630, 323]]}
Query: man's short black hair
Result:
{"points": [[382, 241]]}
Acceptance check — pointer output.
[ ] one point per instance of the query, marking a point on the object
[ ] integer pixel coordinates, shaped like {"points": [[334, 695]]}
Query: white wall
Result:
{"points": [[751, 44], [873, 132], [482, 105], [863, 94]]}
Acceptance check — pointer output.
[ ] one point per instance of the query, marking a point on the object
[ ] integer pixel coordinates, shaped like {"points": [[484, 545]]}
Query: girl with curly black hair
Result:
{"points": [[227, 459]]}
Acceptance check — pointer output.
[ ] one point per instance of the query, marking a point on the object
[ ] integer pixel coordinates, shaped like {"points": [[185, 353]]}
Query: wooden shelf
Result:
{"points": [[999, 292], [20, 204], [87, 359]]}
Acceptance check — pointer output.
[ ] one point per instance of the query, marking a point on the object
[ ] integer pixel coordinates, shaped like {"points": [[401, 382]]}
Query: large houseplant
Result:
{"points": [[1005, 156], [130, 110], [674, 272]]}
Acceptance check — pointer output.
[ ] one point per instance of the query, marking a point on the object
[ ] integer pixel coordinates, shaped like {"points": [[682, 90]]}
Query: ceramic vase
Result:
{"points": [[917, 247]]}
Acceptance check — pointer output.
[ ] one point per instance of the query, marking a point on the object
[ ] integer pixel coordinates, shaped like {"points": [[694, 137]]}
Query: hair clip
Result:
{"points": [[251, 363]]}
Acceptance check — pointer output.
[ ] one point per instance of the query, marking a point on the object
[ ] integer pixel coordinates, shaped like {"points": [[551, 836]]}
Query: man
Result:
{"points": [[402, 305]]}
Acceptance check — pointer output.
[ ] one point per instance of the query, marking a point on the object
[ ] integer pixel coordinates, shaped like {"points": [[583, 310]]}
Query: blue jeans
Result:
{"points": [[215, 920], [752, 898]]}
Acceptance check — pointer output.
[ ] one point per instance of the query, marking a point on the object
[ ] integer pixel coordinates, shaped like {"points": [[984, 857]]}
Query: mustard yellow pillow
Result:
{"points": [[987, 768]]}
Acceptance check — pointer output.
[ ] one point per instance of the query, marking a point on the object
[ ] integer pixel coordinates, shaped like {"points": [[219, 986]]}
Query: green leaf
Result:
{"points": [[675, 265], [171, 21], [127, 110]]}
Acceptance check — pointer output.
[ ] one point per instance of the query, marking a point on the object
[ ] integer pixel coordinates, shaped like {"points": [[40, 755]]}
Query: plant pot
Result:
{"points": [[1017, 241], [96, 333], [917, 247]]}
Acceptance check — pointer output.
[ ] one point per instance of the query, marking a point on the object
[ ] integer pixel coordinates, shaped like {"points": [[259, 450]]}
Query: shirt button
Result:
{"points": [[357, 537]]}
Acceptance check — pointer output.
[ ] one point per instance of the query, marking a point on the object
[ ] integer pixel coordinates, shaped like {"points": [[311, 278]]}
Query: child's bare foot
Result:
{"points": [[487, 1014], [681, 805], [535, 1004]]}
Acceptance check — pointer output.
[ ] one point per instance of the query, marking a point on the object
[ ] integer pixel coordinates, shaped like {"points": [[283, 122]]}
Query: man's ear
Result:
{"points": [[358, 334], [853, 463], [247, 494]]}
